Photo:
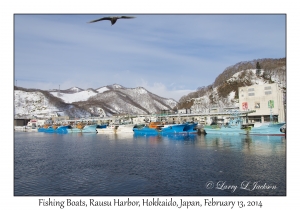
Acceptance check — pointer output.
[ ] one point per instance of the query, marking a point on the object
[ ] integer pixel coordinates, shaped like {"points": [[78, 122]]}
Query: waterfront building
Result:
{"points": [[267, 100]]}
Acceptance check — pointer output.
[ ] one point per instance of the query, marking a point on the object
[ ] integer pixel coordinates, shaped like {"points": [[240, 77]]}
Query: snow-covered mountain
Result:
{"points": [[77, 102], [130, 100]]}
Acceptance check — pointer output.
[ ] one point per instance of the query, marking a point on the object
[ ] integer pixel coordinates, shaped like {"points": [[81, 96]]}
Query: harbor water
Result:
{"points": [[88, 164]]}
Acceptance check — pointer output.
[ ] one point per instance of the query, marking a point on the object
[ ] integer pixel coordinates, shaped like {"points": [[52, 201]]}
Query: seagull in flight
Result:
{"points": [[113, 20]]}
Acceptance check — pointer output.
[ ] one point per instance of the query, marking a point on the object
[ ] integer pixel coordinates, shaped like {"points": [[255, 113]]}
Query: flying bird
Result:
{"points": [[113, 20]]}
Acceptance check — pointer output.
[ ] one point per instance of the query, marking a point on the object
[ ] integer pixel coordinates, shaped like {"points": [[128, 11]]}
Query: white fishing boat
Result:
{"points": [[32, 125], [125, 128], [110, 129]]}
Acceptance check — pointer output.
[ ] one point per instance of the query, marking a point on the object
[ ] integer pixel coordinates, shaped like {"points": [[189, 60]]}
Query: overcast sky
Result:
{"points": [[169, 55]]}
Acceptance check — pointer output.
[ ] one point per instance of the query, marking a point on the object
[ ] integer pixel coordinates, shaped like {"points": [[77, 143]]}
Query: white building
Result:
{"points": [[266, 100]]}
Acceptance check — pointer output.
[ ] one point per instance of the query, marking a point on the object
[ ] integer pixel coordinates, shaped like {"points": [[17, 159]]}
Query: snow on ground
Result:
{"points": [[231, 95], [74, 97], [102, 89], [139, 90], [75, 89], [116, 86]]}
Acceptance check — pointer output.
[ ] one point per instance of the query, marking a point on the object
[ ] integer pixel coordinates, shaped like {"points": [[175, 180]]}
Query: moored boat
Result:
{"points": [[50, 129], [266, 129], [31, 126], [125, 128], [233, 127], [83, 129], [159, 129], [110, 129], [43, 128]]}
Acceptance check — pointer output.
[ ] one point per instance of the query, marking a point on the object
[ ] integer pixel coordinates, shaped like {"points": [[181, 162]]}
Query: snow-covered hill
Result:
{"points": [[35, 103], [213, 98], [32, 103]]}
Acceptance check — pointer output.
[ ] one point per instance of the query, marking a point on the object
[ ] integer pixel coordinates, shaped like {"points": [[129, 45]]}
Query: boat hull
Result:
{"points": [[166, 130], [41, 129], [223, 130], [266, 130], [50, 129]]}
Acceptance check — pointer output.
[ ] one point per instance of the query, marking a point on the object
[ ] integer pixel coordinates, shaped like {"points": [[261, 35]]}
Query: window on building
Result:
{"points": [[250, 94], [268, 88], [268, 92], [251, 89]]}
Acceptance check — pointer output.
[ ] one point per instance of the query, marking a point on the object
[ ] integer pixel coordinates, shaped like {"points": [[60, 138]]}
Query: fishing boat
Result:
{"points": [[31, 126], [56, 129], [155, 128], [125, 128], [265, 129], [109, 129], [43, 128], [83, 128], [233, 127]]}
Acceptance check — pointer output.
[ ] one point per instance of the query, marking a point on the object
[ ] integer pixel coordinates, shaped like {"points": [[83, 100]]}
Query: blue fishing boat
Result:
{"points": [[83, 129], [54, 129], [157, 129], [43, 128], [265, 129], [50, 129], [233, 127]]}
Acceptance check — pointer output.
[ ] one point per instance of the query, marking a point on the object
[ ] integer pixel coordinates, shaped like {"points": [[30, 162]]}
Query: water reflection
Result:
{"points": [[262, 145], [156, 139]]}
